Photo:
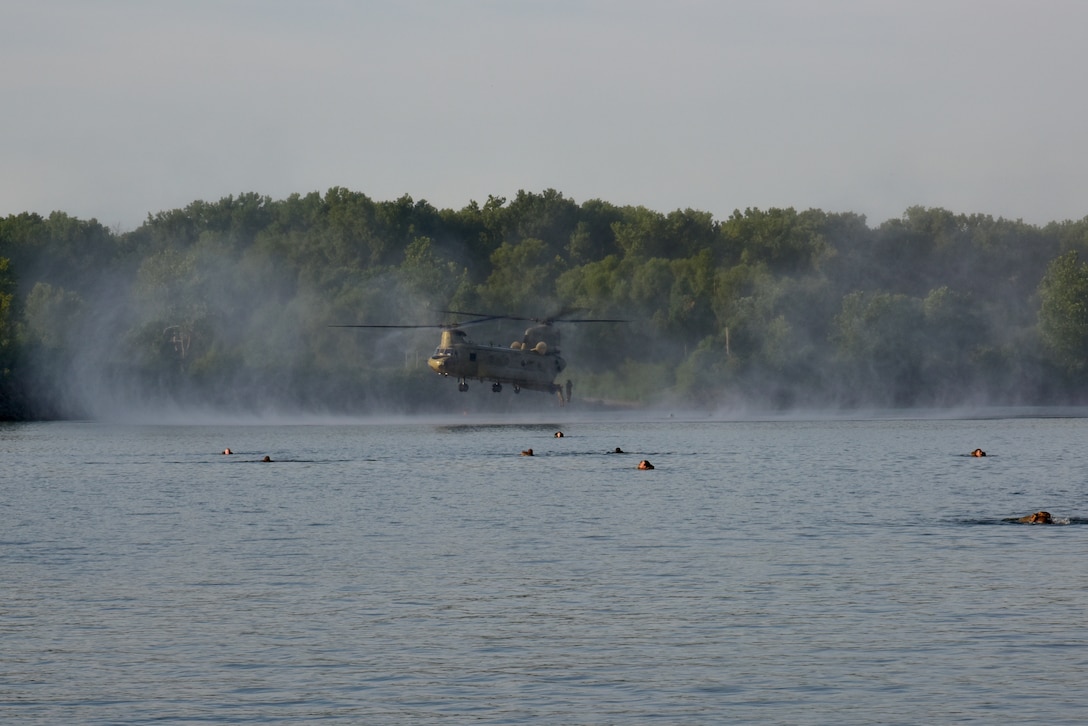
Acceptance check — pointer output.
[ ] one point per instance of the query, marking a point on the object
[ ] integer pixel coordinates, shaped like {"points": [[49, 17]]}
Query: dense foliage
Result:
{"points": [[228, 305]]}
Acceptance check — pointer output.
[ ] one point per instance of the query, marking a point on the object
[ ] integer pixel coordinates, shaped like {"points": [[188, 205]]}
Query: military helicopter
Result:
{"points": [[531, 363]]}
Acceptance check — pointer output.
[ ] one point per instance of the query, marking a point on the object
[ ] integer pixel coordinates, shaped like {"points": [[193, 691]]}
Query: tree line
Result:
{"points": [[229, 304]]}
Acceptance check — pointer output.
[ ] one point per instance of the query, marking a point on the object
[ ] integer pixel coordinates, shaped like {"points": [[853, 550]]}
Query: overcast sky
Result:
{"points": [[116, 109]]}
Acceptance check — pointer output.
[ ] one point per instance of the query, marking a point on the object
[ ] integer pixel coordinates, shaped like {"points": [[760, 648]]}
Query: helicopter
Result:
{"points": [[532, 363]]}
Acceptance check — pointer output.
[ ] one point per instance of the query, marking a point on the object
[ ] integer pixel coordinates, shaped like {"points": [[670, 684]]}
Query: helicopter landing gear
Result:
{"points": [[496, 388], [462, 385]]}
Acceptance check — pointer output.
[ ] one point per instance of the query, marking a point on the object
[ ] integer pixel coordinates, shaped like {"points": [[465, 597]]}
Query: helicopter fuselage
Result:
{"points": [[532, 362], [534, 368]]}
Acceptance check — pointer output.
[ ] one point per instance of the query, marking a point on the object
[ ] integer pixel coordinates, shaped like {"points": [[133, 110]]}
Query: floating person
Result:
{"points": [[644, 464], [267, 458], [618, 450], [558, 434], [527, 452], [227, 452], [1037, 518], [978, 452]]}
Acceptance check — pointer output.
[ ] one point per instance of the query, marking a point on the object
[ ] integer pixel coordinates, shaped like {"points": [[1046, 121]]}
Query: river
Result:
{"points": [[808, 570]]}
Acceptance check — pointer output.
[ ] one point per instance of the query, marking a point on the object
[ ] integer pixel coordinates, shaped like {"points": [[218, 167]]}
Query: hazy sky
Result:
{"points": [[116, 109]]}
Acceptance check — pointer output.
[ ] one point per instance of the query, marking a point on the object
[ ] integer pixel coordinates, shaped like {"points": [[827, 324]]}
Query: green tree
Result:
{"points": [[10, 404], [53, 316], [592, 239], [473, 233], [173, 312], [1063, 311], [522, 279], [879, 338], [640, 234], [548, 217], [954, 340], [429, 277], [767, 336], [59, 249], [784, 240]]}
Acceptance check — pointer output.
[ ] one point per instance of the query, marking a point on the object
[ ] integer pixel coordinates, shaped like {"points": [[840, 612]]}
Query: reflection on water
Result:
{"points": [[773, 571]]}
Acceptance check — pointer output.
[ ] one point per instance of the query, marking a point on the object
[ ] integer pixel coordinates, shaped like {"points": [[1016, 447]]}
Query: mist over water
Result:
{"points": [[226, 307]]}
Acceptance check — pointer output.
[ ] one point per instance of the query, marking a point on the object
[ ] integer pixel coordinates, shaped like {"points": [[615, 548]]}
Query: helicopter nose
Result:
{"points": [[438, 363]]}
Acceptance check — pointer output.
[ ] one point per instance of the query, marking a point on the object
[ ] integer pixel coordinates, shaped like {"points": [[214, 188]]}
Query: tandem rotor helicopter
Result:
{"points": [[532, 363]]}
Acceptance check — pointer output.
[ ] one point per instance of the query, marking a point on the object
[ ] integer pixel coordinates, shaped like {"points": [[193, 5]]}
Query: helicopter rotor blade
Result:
{"points": [[410, 327], [399, 327], [564, 312], [588, 320], [487, 316], [542, 321]]}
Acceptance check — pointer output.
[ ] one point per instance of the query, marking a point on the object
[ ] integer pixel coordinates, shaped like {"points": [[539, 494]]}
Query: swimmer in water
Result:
{"points": [[558, 434], [978, 452], [527, 452], [267, 458], [227, 451], [645, 465], [1037, 518], [618, 450]]}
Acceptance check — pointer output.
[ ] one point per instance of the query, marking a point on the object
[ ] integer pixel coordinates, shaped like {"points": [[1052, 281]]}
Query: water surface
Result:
{"points": [[848, 571]]}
